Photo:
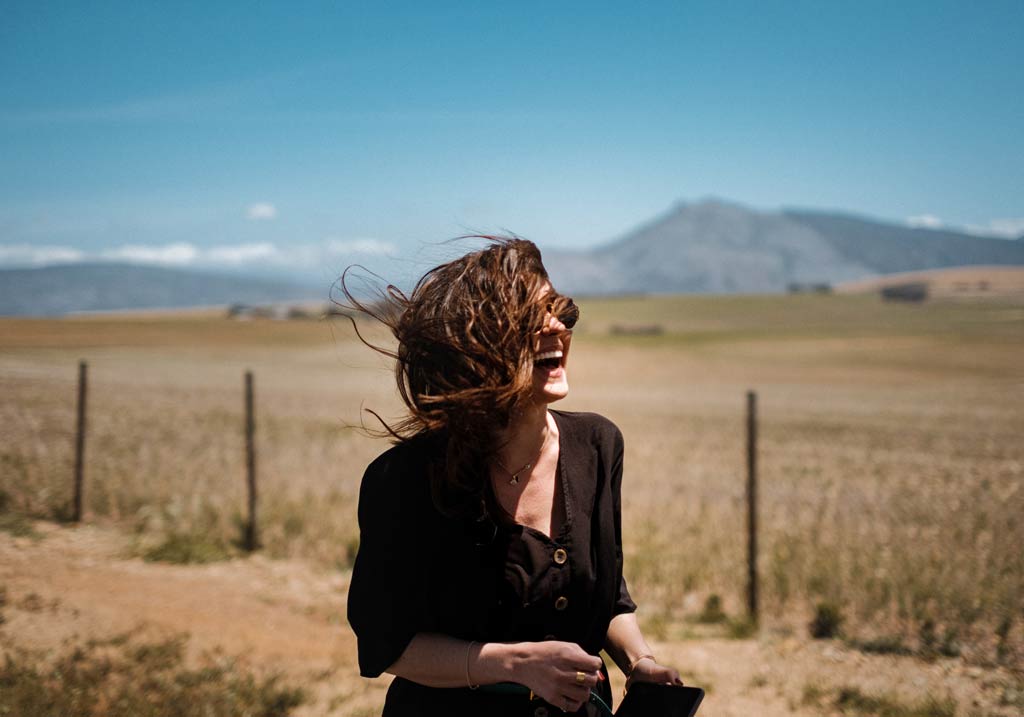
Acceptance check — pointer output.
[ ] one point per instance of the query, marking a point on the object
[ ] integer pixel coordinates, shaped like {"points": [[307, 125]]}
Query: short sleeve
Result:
{"points": [[623, 600], [386, 577]]}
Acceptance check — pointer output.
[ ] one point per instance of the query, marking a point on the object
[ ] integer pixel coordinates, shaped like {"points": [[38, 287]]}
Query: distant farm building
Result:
{"points": [[636, 329], [797, 287], [278, 312], [912, 291]]}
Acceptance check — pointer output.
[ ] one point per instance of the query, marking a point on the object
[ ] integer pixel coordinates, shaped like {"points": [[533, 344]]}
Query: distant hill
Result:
{"points": [[719, 247], [58, 290], [959, 282]]}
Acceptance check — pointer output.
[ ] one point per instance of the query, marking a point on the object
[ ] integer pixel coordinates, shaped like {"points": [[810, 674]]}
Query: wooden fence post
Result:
{"points": [[83, 374], [250, 459], [752, 505]]}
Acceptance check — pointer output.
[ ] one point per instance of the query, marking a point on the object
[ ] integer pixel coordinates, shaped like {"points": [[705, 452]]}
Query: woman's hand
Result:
{"points": [[560, 673], [647, 670]]}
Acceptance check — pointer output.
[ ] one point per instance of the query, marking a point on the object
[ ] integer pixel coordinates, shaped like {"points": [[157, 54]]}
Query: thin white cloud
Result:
{"points": [[372, 247], [28, 255], [261, 211], [240, 253], [260, 255], [924, 221], [1008, 228], [188, 254], [195, 103], [174, 106], [177, 254]]}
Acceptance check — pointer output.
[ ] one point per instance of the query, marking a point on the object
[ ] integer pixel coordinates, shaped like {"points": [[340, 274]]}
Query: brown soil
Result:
{"points": [[70, 584]]}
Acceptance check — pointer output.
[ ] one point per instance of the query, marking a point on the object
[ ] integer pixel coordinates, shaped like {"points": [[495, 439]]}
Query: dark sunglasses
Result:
{"points": [[569, 315]]}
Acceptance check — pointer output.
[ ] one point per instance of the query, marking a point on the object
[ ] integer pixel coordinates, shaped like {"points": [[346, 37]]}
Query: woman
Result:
{"points": [[490, 545]]}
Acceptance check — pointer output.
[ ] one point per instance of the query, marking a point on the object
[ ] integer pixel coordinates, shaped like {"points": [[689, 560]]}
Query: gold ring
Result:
{"points": [[581, 677]]}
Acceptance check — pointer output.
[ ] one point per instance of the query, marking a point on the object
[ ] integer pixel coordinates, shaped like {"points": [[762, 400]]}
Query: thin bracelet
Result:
{"points": [[634, 663], [469, 682]]}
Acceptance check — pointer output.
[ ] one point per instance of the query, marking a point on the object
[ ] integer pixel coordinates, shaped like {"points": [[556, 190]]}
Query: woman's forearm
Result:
{"points": [[633, 655], [559, 672], [441, 661], [624, 641]]}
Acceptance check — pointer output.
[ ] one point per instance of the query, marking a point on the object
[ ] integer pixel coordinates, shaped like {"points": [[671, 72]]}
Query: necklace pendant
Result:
{"points": [[515, 476]]}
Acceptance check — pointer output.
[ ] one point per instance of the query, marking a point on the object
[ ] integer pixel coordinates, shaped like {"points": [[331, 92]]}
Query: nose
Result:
{"points": [[553, 325]]}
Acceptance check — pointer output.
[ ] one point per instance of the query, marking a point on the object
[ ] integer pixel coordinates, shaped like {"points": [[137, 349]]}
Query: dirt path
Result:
{"points": [[72, 584]]}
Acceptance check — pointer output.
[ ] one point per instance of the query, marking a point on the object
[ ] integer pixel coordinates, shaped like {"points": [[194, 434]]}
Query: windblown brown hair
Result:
{"points": [[464, 359]]}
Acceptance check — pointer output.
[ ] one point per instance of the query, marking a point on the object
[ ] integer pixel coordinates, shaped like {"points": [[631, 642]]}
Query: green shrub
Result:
{"points": [[813, 695], [827, 622], [741, 629], [950, 645], [854, 702], [712, 612], [885, 645], [186, 548], [118, 678], [13, 522], [17, 525], [1003, 633]]}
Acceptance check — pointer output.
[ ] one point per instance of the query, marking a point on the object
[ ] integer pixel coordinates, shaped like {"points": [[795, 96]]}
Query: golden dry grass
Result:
{"points": [[891, 458]]}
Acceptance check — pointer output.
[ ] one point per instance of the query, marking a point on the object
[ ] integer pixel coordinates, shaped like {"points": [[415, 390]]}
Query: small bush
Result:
{"points": [[712, 612], [827, 622], [854, 702], [17, 525], [758, 681], [932, 645], [187, 548], [12, 522], [741, 629], [32, 602], [1003, 633], [885, 645], [950, 645], [928, 638], [813, 695]]}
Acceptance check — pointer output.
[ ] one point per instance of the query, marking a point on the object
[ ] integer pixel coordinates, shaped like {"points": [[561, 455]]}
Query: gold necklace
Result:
{"points": [[515, 475]]}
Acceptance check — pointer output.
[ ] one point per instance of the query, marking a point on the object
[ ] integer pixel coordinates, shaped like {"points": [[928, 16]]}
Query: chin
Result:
{"points": [[551, 392], [552, 396]]}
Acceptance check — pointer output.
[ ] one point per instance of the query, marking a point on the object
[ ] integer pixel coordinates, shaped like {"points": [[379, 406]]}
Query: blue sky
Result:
{"points": [[312, 134]]}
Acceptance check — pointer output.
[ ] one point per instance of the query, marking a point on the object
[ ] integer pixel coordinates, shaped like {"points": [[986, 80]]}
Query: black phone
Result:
{"points": [[647, 699]]}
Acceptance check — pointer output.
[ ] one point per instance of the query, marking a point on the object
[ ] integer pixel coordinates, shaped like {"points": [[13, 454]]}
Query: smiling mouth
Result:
{"points": [[548, 360]]}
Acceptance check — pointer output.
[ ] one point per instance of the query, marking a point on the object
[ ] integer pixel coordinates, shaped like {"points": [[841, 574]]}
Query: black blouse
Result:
{"points": [[419, 571]]}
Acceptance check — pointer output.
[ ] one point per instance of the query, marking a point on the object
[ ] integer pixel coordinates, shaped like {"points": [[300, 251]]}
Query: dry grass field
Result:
{"points": [[891, 463]]}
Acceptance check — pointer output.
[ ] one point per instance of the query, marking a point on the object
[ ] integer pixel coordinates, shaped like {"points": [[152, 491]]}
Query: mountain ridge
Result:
{"points": [[718, 246], [106, 286]]}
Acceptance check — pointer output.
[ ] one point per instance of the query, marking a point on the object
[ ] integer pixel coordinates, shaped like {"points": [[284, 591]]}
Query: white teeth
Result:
{"points": [[547, 355]]}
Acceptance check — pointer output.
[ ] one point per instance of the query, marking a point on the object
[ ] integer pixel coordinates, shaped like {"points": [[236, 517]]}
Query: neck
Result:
{"points": [[524, 435]]}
